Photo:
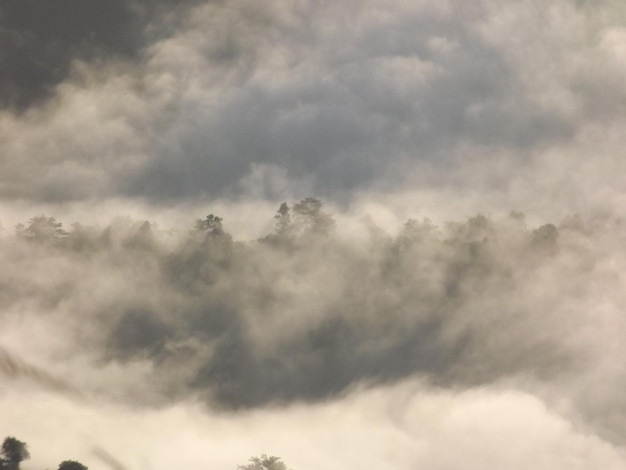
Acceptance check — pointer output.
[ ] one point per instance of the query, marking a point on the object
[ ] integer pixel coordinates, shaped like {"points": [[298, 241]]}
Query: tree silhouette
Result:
{"points": [[310, 217], [264, 463], [544, 240], [71, 465], [13, 452], [283, 220], [42, 229], [211, 225], [301, 222]]}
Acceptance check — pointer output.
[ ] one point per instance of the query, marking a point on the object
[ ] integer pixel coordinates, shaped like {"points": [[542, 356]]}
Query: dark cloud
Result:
{"points": [[41, 39], [354, 106]]}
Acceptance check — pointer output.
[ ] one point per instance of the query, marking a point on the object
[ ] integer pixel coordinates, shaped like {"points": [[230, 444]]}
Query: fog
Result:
{"points": [[482, 316], [406, 426], [349, 235]]}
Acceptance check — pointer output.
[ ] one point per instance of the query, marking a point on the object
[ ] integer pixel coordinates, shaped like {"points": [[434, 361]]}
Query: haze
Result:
{"points": [[443, 287]]}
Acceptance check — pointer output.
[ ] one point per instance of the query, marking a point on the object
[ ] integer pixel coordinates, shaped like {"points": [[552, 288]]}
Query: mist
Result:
{"points": [[349, 235], [311, 318]]}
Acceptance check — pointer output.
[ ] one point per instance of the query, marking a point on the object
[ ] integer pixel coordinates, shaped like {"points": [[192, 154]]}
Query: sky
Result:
{"points": [[443, 289]]}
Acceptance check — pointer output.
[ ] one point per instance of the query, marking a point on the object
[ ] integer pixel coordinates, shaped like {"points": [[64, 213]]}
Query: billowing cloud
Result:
{"points": [[130, 121], [338, 99]]}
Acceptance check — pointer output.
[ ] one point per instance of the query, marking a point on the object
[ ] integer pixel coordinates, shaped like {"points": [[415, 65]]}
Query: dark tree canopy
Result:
{"points": [[283, 220], [71, 465], [311, 217], [14, 451], [303, 221], [211, 225]]}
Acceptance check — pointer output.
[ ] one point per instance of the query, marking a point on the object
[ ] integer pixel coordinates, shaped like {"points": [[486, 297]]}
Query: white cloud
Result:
{"points": [[393, 428]]}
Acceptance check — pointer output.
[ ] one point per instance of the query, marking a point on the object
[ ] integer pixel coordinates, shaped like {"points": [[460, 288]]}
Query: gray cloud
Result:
{"points": [[428, 95], [41, 39]]}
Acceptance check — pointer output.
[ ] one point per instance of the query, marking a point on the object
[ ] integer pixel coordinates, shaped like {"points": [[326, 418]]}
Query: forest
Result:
{"points": [[310, 311], [375, 309]]}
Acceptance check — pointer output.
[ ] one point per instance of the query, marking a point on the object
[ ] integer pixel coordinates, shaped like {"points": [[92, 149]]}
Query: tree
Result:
{"points": [[310, 217], [211, 225], [304, 220], [544, 240], [264, 463], [142, 239], [415, 231], [71, 465], [13, 452], [42, 229], [283, 220]]}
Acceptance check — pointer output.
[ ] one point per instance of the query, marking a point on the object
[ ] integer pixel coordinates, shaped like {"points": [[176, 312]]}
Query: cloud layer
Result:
{"points": [[128, 120], [402, 427], [237, 100], [310, 313]]}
